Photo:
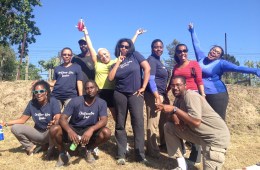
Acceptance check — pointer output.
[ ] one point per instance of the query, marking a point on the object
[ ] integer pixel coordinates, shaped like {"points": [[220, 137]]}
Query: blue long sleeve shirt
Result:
{"points": [[212, 70]]}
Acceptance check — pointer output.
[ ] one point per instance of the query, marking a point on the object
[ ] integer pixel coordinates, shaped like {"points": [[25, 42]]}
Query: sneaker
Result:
{"points": [[121, 161], [31, 150], [50, 153], [95, 153], [62, 160], [89, 156], [144, 161]]}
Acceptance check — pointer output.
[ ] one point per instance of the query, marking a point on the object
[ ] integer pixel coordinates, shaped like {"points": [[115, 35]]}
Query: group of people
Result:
{"points": [[84, 86]]}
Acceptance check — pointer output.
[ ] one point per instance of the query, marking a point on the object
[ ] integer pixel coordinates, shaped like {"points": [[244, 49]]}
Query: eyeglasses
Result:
{"points": [[176, 85], [124, 46], [66, 54], [216, 51], [39, 91], [180, 51]]}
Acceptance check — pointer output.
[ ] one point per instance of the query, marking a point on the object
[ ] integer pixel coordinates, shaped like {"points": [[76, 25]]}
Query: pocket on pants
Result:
{"points": [[217, 154]]}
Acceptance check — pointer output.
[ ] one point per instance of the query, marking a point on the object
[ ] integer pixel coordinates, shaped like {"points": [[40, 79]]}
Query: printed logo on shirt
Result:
{"points": [[125, 64], [86, 115], [42, 116], [65, 73]]}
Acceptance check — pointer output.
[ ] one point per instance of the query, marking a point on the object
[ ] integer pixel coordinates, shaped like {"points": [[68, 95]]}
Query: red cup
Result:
{"points": [[80, 25]]}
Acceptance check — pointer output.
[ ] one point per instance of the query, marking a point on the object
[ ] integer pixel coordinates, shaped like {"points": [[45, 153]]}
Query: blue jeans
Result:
{"points": [[133, 103]]}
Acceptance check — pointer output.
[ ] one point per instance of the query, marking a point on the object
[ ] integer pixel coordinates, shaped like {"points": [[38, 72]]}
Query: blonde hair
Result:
{"points": [[102, 49]]}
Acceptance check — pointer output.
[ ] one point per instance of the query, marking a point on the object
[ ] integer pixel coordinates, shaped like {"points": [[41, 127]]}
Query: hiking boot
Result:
{"points": [[120, 161], [89, 156], [62, 160]]}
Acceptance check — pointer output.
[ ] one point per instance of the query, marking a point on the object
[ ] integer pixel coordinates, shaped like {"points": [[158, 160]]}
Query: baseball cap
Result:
{"points": [[82, 39]]}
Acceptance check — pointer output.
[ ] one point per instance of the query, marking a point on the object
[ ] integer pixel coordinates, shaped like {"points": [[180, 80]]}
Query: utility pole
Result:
{"points": [[226, 43]]}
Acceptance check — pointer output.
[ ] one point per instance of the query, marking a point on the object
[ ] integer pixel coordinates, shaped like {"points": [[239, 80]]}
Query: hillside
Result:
{"points": [[243, 120]]}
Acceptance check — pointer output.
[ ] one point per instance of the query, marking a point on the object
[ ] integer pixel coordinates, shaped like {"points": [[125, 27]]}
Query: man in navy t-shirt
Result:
{"points": [[88, 118]]}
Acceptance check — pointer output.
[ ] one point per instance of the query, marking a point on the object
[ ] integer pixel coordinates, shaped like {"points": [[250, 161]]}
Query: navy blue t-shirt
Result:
{"points": [[42, 115], [83, 115], [66, 81], [128, 76], [159, 71]]}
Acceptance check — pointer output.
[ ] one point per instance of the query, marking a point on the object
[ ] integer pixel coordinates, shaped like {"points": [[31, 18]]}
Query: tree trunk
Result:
{"points": [[21, 58], [27, 67]]}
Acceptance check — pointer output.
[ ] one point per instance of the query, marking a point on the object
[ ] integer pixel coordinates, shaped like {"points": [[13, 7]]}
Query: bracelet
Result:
{"points": [[203, 94], [6, 124]]}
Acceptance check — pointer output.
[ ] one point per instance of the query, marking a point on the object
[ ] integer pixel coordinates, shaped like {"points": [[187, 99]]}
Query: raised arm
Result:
{"points": [[112, 72], [230, 67], [196, 44], [138, 32], [92, 51]]}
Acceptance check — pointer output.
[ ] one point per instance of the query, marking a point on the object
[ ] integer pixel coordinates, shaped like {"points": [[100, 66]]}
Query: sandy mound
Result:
{"points": [[243, 119]]}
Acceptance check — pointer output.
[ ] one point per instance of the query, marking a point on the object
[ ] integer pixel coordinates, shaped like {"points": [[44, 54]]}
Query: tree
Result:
{"points": [[32, 73], [251, 65], [17, 25], [8, 63], [50, 65], [231, 77], [170, 62]]}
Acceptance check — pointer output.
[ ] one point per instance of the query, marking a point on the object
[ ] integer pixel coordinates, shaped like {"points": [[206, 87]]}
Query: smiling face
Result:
{"points": [[157, 49], [124, 46], [182, 53], [215, 53], [104, 55], [83, 47], [40, 94], [178, 87]]}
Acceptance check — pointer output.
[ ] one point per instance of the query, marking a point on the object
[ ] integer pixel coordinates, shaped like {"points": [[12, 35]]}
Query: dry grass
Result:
{"points": [[243, 119]]}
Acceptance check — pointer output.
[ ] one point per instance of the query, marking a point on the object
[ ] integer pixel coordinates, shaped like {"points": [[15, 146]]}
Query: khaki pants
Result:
{"points": [[213, 157], [153, 118]]}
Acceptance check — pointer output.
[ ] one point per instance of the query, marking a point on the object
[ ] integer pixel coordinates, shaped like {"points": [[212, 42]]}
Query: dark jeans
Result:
{"points": [[133, 103], [219, 103]]}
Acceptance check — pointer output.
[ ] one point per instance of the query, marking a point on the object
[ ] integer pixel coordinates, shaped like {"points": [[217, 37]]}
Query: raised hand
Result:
{"points": [[140, 31], [190, 26]]}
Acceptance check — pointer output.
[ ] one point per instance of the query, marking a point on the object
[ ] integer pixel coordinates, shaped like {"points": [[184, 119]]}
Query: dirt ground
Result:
{"points": [[243, 120]]}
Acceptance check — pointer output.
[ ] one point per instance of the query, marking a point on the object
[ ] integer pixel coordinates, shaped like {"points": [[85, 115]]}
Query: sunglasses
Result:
{"points": [[39, 91], [123, 46], [180, 51]]}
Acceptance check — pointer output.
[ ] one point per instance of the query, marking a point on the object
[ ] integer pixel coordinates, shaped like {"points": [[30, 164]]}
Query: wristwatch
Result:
{"points": [[175, 109]]}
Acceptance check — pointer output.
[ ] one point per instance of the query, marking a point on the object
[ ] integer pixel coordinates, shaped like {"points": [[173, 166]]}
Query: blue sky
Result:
{"points": [[108, 21]]}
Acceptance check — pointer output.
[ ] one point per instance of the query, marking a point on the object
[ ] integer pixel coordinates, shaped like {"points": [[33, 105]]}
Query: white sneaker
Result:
{"points": [[96, 152]]}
